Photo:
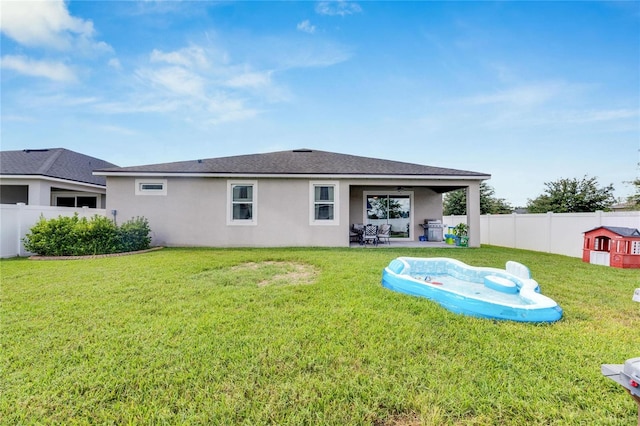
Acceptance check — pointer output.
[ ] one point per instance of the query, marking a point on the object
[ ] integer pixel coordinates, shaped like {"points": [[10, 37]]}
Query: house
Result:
{"points": [[624, 206], [52, 177], [612, 246], [301, 197]]}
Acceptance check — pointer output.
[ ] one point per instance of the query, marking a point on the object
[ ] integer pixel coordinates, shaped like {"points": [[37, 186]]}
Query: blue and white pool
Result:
{"points": [[504, 294]]}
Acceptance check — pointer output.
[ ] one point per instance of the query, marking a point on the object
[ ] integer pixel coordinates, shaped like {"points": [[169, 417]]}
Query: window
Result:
{"points": [[76, 201], [151, 187], [324, 203], [635, 247], [390, 208], [242, 203], [91, 202]]}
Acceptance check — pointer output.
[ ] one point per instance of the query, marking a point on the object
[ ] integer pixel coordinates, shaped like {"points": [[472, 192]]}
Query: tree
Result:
{"points": [[455, 202], [384, 208], [634, 199], [572, 196]]}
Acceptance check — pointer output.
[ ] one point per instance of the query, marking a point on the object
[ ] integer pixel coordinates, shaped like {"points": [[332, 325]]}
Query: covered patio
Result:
{"points": [[408, 206]]}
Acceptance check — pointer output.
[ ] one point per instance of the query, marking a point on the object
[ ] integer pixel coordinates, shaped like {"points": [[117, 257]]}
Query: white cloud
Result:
{"points": [[115, 63], [606, 115], [339, 7], [306, 27], [203, 85], [56, 71], [17, 118], [177, 80], [522, 96], [193, 56], [45, 23], [250, 80], [222, 110], [115, 129], [141, 104], [200, 84]]}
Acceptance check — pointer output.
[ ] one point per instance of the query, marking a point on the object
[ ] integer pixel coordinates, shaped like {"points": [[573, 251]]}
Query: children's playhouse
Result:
{"points": [[612, 246]]}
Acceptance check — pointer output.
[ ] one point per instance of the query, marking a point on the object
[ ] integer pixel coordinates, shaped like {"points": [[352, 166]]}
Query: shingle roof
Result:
{"points": [[298, 161], [622, 231], [625, 232], [54, 162]]}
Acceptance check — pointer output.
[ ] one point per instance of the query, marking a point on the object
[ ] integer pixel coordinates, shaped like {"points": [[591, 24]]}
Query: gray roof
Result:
{"points": [[298, 161], [55, 163], [622, 231]]}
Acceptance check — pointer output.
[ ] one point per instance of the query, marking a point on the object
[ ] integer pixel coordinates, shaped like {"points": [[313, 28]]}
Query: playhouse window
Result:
{"points": [[601, 244], [635, 247]]}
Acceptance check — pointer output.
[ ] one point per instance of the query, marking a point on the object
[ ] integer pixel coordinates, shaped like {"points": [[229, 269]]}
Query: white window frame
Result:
{"points": [[140, 190], [56, 194], [411, 194], [635, 247], [336, 204], [254, 211]]}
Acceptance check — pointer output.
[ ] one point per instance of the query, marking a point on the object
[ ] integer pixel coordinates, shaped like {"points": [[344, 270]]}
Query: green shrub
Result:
{"points": [[75, 236], [133, 235]]}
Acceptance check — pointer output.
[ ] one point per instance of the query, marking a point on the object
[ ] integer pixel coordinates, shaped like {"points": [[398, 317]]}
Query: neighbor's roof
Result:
{"points": [[622, 231], [295, 162], [54, 163]]}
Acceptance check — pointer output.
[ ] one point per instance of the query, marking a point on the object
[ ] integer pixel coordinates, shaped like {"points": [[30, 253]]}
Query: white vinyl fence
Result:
{"points": [[559, 233], [17, 219]]}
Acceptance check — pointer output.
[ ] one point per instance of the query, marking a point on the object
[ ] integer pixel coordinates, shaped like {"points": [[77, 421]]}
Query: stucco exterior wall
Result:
{"points": [[194, 213], [40, 190], [194, 210]]}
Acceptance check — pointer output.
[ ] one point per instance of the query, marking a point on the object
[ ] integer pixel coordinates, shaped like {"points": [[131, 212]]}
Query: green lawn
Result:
{"points": [[303, 336]]}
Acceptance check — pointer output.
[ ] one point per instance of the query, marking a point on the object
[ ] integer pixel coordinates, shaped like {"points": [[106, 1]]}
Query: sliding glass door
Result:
{"points": [[391, 208]]}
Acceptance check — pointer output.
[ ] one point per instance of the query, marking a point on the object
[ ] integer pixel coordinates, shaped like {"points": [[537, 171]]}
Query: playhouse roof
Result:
{"points": [[622, 231]]}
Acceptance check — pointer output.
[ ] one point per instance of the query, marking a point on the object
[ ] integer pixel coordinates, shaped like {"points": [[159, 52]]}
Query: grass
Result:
{"points": [[303, 336]]}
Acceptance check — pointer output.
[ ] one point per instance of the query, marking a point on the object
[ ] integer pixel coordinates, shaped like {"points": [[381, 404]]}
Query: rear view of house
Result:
{"points": [[301, 197]]}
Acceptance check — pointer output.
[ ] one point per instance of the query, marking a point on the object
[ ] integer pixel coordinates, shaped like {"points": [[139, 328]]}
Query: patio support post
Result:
{"points": [[473, 213]]}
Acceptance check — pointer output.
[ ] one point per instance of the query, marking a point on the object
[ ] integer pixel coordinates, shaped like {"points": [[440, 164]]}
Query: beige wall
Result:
{"points": [[40, 190], [194, 211]]}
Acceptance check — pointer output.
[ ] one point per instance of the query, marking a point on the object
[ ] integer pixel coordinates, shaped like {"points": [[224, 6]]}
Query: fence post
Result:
{"points": [[19, 235], [599, 217], [549, 230], [488, 228]]}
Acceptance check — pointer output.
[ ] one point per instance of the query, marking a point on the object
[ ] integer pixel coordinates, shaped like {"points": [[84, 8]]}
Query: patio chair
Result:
{"points": [[355, 233], [370, 234], [384, 233]]}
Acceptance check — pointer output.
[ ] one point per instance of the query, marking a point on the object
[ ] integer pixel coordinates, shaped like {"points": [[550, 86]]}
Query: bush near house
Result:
{"points": [[75, 236]]}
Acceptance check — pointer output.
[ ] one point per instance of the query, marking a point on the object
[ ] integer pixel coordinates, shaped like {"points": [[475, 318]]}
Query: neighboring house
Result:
{"points": [[301, 197], [52, 177], [614, 246], [624, 206]]}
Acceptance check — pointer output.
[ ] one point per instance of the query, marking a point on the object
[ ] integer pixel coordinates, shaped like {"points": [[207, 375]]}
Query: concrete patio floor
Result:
{"points": [[407, 244]]}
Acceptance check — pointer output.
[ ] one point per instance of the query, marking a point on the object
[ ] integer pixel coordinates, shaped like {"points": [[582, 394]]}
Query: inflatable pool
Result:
{"points": [[503, 294]]}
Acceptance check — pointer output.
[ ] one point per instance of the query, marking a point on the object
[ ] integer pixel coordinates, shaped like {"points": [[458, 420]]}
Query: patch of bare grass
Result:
{"points": [[260, 274], [279, 273]]}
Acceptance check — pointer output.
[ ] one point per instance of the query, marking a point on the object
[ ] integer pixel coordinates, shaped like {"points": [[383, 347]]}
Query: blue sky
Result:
{"points": [[529, 92]]}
